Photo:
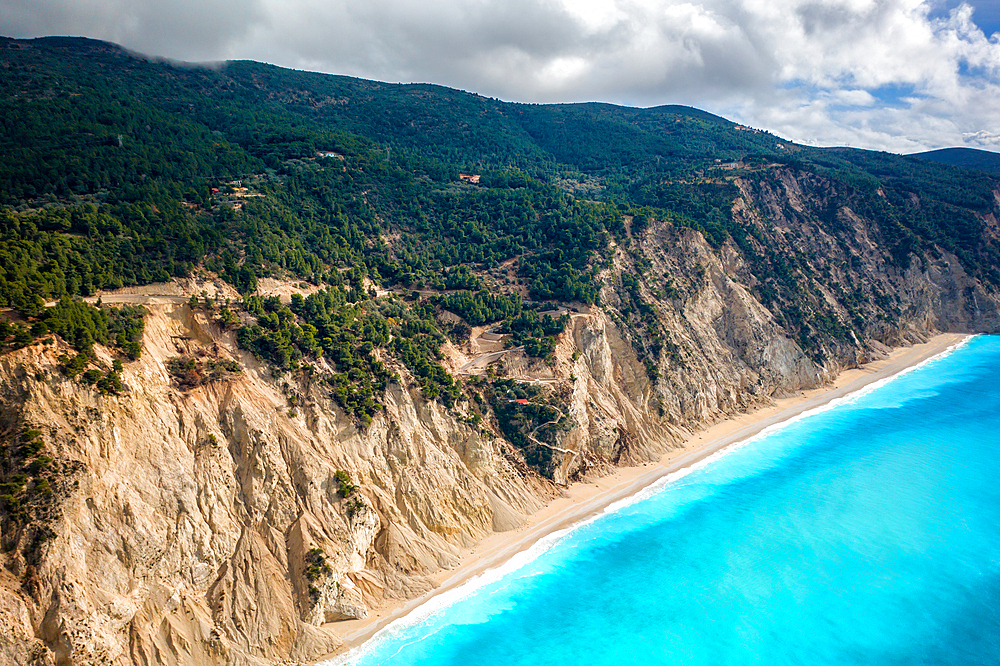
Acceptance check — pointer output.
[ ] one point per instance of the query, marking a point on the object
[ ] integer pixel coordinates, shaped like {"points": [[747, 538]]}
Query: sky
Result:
{"points": [[896, 75]]}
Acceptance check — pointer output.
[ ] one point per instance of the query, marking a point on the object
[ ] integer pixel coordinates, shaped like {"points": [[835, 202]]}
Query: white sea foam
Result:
{"points": [[445, 599], [518, 561], [851, 398]]}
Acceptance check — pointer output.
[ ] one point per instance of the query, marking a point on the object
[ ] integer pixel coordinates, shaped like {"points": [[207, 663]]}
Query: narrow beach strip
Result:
{"points": [[584, 501]]}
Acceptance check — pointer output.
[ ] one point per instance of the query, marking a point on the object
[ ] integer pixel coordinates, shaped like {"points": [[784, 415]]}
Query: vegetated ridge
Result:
{"points": [[967, 158], [277, 345]]}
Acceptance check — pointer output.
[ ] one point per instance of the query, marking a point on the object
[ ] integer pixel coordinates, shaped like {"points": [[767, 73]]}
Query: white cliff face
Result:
{"points": [[183, 531], [726, 352], [207, 526], [18, 643]]}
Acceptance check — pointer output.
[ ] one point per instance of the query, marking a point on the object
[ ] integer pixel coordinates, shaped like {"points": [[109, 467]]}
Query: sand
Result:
{"points": [[585, 500]]}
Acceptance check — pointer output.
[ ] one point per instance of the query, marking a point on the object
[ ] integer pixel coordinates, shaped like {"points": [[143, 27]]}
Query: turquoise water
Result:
{"points": [[868, 533]]}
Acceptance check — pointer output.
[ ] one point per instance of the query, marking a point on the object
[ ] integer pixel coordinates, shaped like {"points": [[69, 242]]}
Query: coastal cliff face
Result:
{"points": [[209, 526], [724, 350]]}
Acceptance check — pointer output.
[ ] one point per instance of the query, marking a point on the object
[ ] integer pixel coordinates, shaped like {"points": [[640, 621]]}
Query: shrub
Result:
{"points": [[344, 485], [316, 566]]}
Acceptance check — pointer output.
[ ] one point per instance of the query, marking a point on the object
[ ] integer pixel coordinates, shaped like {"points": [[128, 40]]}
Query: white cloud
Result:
{"points": [[594, 14], [853, 97], [982, 138], [885, 74]]}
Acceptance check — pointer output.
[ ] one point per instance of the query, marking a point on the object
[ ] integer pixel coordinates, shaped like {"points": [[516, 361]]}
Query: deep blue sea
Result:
{"points": [[865, 533]]}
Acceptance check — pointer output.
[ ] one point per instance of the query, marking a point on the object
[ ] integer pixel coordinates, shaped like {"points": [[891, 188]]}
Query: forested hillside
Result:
{"points": [[426, 312], [119, 170], [966, 158], [123, 170]]}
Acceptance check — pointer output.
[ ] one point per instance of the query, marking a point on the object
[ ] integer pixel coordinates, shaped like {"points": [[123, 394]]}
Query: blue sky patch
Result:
{"points": [[986, 13]]}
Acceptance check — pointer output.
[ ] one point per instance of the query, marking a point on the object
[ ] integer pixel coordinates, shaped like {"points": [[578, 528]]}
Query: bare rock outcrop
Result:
{"points": [[191, 522]]}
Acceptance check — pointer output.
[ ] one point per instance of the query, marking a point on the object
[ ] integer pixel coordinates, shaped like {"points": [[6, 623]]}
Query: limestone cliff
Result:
{"points": [[209, 525], [721, 350]]}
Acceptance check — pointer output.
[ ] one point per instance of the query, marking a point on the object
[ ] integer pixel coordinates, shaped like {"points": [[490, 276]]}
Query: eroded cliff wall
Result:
{"points": [[208, 526]]}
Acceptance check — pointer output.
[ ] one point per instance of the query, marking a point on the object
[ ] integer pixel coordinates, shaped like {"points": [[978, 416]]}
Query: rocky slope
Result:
{"points": [[209, 525]]}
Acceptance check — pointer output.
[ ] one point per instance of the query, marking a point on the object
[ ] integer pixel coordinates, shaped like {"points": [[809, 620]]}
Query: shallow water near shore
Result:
{"points": [[864, 533]]}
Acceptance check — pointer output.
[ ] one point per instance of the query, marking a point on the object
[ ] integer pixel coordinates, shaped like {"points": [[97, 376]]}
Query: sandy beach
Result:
{"points": [[585, 500]]}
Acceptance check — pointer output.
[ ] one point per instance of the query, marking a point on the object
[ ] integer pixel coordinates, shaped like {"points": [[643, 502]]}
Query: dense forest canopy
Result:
{"points": [[121, 170], [966, 158]]}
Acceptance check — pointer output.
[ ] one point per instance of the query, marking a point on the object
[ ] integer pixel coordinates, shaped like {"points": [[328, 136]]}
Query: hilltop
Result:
{"points": [[966, 158]]}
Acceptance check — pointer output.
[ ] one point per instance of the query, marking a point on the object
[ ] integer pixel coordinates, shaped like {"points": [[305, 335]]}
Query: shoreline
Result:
{"points": [[583, 501]]}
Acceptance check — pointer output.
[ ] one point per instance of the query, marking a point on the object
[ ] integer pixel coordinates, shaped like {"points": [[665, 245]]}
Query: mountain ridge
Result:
{"points": [[967, 158]]}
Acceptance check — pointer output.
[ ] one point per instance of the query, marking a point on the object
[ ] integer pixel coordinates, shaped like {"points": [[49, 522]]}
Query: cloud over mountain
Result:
{"points": [[899, 75]]}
